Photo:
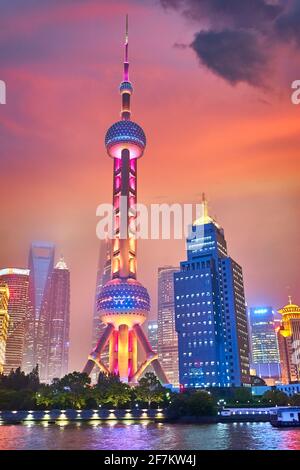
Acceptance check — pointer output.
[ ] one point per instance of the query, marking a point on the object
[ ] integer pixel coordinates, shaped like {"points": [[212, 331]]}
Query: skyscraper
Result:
{"points": [[152, 330], [123, 303], [103, 276], [167, 336], [263, 344], [17, 281], [53, 339], [289, 343], [4, 322], [41, 259], [210, 310]]}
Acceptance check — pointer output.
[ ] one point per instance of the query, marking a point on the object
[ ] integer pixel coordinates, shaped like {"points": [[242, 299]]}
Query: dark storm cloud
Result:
{"points": [[288, 24], [219, 52], [240, 13], [237, 38]]}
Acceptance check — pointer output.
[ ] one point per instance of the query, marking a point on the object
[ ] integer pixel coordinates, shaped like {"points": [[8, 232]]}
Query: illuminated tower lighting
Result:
{"points": [[123, 303]]}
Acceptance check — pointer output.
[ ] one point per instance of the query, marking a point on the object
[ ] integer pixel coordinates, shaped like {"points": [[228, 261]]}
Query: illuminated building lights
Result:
{"points": [[123, 303], [14, 309], [288, 335]]}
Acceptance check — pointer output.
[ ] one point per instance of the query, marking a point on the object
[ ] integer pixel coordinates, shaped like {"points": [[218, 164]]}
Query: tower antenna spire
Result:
{"points": [[205, 206], [126, 63]]}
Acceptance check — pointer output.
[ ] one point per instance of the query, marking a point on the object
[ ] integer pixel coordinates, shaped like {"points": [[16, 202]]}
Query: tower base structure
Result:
{"points": [[123, 305], [123, 354]]}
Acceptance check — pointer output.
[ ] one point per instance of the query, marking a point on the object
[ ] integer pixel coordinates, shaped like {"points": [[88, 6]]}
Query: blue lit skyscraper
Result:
{"points": [[211, 319], [41, 260], [263, 344]]}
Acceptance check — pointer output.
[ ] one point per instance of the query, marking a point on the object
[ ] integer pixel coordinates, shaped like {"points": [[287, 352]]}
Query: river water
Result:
{"points": [[148, 436]]}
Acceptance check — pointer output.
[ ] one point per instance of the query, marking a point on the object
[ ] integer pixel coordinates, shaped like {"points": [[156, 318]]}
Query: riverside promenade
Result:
{"points": [[154, 415]]}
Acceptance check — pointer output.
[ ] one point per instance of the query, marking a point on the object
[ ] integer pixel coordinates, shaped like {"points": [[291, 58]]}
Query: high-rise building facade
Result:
{"points": [[53, 342], [152, 333], [41, 259], [167, 346], [17, 281], [263, 344], [123, 303], [103, 276], [289, 343], [4, 322], [211, 319]]}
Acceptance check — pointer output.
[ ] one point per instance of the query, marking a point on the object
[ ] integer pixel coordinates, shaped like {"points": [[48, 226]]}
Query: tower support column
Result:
{"points": [[132, 354], [113, 352], [123, 352]]}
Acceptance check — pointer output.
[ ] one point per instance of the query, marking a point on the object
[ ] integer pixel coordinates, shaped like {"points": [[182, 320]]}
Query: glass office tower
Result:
{"points": [[210, 310]]}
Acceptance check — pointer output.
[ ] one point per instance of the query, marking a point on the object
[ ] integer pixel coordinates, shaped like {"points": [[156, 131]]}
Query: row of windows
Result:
{"points": [[192, 276], [200, 343], [197, 294], [201, 363], [194, 314], [183, 325], [206, 384], [199, 322], [196, 303]]}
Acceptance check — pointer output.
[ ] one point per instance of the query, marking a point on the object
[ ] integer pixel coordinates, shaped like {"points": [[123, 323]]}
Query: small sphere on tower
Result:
{"points": [[126, 87]]}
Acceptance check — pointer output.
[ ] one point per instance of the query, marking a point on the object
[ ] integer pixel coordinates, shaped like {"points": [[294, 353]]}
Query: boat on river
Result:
{"points": [[285, 417]]}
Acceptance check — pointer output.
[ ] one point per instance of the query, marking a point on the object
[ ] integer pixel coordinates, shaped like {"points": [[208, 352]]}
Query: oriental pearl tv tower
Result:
{"points": [[123, 303]]}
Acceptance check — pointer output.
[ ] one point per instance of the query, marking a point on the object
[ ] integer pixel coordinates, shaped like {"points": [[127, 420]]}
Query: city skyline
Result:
{"points": [[238, 178]]}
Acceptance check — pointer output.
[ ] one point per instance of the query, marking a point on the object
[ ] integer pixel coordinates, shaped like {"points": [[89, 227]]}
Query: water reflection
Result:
{"points": [[114, 435]]}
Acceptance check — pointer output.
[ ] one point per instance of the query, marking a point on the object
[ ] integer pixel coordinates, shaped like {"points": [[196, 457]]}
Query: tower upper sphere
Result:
{"points": [[125, 135]]}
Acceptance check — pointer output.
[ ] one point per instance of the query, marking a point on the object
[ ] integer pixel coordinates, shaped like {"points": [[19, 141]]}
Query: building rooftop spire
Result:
{"points": [[61, 264], [205, 218], [205, 206]]}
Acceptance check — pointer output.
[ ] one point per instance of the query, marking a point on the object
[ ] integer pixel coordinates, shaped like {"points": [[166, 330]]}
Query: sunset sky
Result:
{"points": [[212, 90]]}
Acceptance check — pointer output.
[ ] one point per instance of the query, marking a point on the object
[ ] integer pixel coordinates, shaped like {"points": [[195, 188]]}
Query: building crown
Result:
{"points": [[290, 308], [205, 218], [61, 264]]}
